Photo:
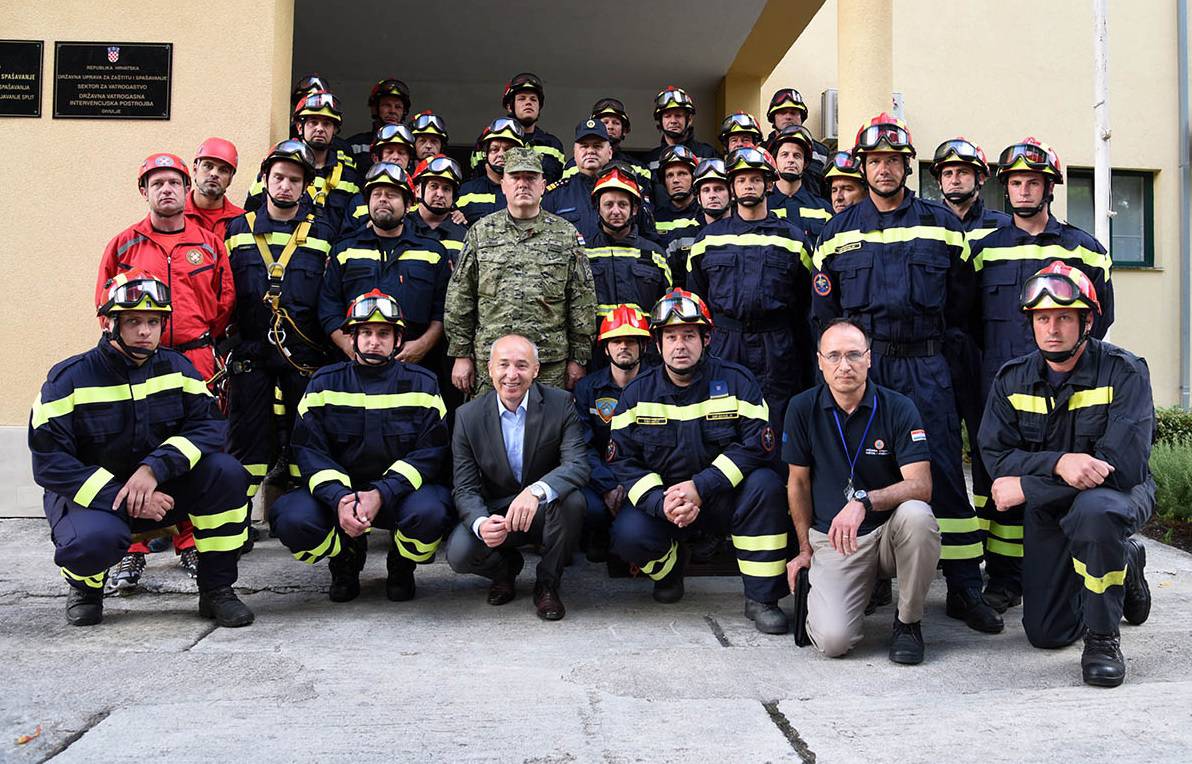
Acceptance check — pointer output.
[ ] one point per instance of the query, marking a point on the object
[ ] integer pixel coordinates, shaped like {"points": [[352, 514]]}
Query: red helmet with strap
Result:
{"points": [[624, 321], [1030, 155], [616, 179], [884, 133], [373, 307], [162, 161], [218, 148], [678, 307], [1058, 286]]}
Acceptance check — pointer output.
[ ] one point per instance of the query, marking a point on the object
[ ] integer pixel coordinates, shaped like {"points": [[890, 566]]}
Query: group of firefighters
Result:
{"points": [[313, 318]]}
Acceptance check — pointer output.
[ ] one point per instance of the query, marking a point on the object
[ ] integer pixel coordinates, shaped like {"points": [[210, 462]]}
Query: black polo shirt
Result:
{"points": [[810, 438]]}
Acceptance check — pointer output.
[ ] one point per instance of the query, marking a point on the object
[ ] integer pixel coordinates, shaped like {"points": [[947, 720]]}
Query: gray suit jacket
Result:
{"points": [[554, 452]]}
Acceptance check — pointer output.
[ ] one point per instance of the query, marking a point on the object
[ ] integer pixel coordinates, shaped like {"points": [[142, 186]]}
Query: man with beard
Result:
{"points": [[393, 144], [676, 214], [674, 112], [482, 195], [788, 108], [389, 103], [692, 444], [624, 333], [207, 204], [792, 198], [752, 269], [387, 254], [523, 100], [436, 182], [846, 184]]}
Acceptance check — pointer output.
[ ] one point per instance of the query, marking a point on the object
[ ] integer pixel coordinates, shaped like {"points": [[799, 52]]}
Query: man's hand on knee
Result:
{"points": [[1007, 493], [137, 493], [1082, 471]]}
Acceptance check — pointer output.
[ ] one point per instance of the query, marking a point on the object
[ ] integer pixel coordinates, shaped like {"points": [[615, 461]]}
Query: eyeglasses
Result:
{"points": [[853, 357]]}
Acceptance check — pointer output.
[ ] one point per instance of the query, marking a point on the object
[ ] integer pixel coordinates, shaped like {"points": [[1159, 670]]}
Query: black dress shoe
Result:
{"points": [[504, 586], [969, 606], [907, 645], [882, 595], [1001, 597], [547, 602], [222, 604], [1102, 663], [84, 608], [669, 589], [1137, 605], [399, 586]]}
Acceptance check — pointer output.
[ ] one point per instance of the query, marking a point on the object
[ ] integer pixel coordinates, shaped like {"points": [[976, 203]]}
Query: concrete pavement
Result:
{"points": [[621, 679]]}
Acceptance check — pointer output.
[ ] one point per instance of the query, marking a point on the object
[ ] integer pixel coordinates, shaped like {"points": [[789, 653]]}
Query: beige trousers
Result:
{"points": [[907, 546]]}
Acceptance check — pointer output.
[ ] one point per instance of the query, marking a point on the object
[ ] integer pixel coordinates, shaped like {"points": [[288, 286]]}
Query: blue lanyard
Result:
{"points": [[852, 463]]}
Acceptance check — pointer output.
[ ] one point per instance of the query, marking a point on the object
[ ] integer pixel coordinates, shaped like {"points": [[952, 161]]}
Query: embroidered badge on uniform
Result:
{"points": [[768, 439], [605, 408], [848, 247], [823, 284], [194, 257], [718, 389], [879, 444], [918, 435], [611, 452]]}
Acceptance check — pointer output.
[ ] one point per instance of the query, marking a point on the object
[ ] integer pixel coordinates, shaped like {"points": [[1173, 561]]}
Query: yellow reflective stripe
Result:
{"points": [[367, 401], [276, 239], [1032, 404], [814, 213], [328, 476], [1098, 584], [666, 226], [221, 543], [1004, 531], [1098, 396], [762, 569], [185, 447], [657, 569], [80, 396], [294, 471], [95, 582], [279, 409], [638, 490], [316, 554], [892, 236], [257, 470], [958, 524], [978, 233], [691, 411], [772, 543], [421, 551], [660, 260], [550, 151], [347, 186], [596, 252], [961, 551], [356, 253], [406, 470], [211, 522], [744, 240], [453, 245], [421, 255], [92, 486], [568, 172], [467, 199], [253, 488], [730, 470], [1044, 252], [780, 213], [979, 502], [1004, 548]]}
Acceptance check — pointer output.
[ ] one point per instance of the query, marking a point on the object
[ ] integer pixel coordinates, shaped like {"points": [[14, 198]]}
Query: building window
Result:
{"points": [[1132, 229], [991, 192]]}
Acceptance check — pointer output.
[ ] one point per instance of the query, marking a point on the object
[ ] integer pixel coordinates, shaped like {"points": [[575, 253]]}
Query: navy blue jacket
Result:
{"points": [[632, 270], [806, 210], [596, 397], [479, 197]]}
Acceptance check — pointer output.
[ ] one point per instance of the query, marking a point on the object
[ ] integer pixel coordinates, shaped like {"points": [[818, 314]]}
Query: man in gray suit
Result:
{"points": [[520, 461]]}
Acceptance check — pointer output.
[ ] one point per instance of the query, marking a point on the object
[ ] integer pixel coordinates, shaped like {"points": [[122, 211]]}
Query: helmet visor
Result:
{"points": [[1035, 157], [1061, 289], [677, 306], [316, 101], [674, 99], [429, 123], [382, 172], [392, 134], [365, 307], [738, 123], [845, 162], [960, 149], [897, 138], [131, 293], [443, 166]]}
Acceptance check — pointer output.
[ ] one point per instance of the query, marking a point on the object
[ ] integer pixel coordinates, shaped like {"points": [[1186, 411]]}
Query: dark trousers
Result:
{"points": [[597, 518], [754, 514], [259, 422], [556, 527], [310, 529], [89, 541], [1075, 563], [927, 381]]}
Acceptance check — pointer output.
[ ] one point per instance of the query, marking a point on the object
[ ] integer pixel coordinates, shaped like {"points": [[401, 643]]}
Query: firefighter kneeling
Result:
{"points": [[126, 439], [1067, 434], [369, 440], [691, 441]]}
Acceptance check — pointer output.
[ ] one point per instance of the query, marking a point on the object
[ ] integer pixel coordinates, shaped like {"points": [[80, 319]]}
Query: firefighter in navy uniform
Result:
{"points": [[482, 195], [611, 111], [624, 334], [792, 197], [430, 135], [788, 108], [712, 193], [524, 99], [753, 270], [676, 214], [1004, 259], [693, 446], [626, 267], [126, 439], [388, 103], [307, 85], [388, 255], [1067, 436], [371, 444], [278, 254], [436, 182], [319, 119], [674, 116], [846, 184], [393, 144], [899, 266]]}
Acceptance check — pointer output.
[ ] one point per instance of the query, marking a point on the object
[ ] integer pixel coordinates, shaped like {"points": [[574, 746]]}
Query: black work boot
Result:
{"points": [[669, 589], [969, 606], [906, 647], [222, 604], [767, 617], [882, 595], [84, 607], [399, 586], [597, 549], [1137, 605], [345, 569], [1102, 664], [1001, 597]]}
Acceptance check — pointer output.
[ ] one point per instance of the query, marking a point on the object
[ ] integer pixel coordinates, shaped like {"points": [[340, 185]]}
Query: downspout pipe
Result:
{"points": [[1185, 138]]}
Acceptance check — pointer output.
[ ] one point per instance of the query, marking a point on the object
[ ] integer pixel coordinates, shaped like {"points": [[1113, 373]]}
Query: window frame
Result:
{"points": [[1148, 217]]}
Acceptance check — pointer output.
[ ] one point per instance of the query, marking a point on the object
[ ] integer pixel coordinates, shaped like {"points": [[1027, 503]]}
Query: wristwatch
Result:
{"points": [[863, 497], [538, 492]]}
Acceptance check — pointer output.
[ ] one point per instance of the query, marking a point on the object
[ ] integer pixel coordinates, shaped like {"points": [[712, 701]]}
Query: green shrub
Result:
{"points": [[1174, 425], [1171, 464]]}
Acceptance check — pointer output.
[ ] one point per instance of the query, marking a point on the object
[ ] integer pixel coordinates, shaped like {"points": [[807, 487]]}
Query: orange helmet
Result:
{"points": [[624, 321], [162, 161], [884, 129], [1059, 285], [218, 148], [680, 307], [616, 179], [1030, 155]]}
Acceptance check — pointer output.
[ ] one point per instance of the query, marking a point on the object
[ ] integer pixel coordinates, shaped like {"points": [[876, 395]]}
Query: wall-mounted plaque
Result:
{"points": [[20, 78], [112, 80]]}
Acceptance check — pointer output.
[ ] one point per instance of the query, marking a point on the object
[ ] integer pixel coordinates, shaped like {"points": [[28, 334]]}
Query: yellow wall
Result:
{"points": [[979, 69], [68, 186]]}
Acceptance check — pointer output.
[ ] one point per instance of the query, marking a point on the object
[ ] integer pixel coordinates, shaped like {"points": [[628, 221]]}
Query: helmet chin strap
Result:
{"points": [[680, 196], [906, 165], [958, 197], [499, 169], [790, 177], [395, 223], [437, 211], [373, 359], [285, 204], [1034, 209], [626, 366], [1059, 356], [677, 137], [135, 353], [616, 228], [715, 213], [749, 201]]}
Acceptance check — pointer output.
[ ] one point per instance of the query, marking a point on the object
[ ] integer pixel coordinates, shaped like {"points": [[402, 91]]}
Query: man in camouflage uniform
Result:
{"points": [[522, 271]]}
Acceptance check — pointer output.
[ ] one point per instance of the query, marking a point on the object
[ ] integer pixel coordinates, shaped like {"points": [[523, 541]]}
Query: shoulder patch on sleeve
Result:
{"points": [[918, 436]]}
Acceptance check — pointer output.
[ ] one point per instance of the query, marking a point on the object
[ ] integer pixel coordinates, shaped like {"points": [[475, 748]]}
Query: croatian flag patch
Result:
{"points": [[918, 435]]}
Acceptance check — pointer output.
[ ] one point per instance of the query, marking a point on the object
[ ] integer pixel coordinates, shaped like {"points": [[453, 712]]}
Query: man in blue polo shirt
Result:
{"points": [[860, 479]]}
